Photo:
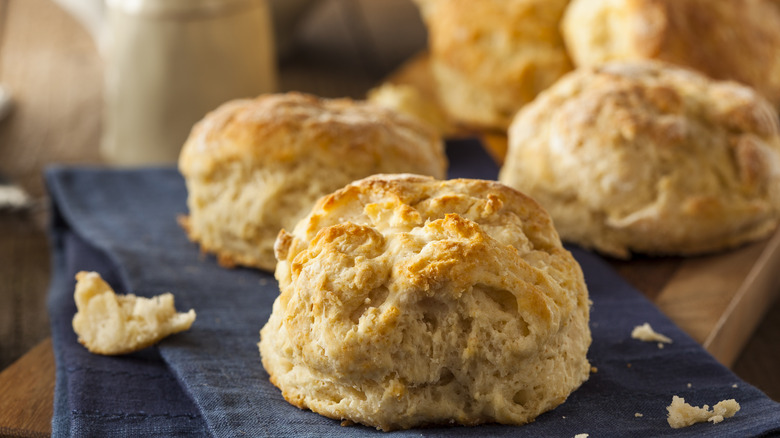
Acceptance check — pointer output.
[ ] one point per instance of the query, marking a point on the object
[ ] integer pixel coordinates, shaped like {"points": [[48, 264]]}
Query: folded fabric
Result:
{"points": [[209, 380]]}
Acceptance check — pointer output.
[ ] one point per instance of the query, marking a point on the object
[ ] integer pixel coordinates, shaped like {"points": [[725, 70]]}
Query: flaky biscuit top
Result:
{"points": [[369, 252], [490, 57], [409, 301], [661, 153], [279, 129], [735, 39], [255, 166]]}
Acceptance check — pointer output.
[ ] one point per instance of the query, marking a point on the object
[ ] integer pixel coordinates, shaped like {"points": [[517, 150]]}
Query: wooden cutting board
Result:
{"points": [[718, 299]]}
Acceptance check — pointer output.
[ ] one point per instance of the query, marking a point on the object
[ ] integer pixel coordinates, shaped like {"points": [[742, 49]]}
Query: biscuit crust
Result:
{"points": [[725, 39], [255, 166], [650, 158], [490, 57], [407, 301]]}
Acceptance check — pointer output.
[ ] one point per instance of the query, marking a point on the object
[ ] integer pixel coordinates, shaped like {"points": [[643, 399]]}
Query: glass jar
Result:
{"points": [[169, 62]]}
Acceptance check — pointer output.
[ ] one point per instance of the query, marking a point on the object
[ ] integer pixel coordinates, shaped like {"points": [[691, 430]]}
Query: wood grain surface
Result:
{"points": [[26, 405], [344, 47]]}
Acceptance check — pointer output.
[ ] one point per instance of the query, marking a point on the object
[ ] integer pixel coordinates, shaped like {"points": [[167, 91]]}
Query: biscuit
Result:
{"points": [[407, 301], [255, 166], [725, 39], [110, 324], [650, 158], [409, 100], [491, 57]]}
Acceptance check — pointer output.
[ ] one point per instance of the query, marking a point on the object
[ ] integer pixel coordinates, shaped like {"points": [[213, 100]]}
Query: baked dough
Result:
{"points": [[490, 57], [650, 158], [681, 414], [725, 39], [111, 324], [255, 166], [408, 301], [407, 99]]}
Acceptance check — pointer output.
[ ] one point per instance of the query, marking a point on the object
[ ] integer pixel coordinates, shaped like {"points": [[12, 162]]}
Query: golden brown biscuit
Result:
{"points": [[651, 158], [725, 39], [490, 57], [255, 166], [409, 100], [409, 301]]}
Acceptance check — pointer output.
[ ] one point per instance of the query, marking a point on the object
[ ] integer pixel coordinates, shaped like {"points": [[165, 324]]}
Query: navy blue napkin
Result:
{"points": [[209, 380]]}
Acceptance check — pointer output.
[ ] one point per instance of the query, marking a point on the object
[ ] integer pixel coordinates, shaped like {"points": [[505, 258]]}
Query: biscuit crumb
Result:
{"points": [[646, 333], [638, 415], [715, 419], [681, 414], [594, 370], [689, 385], [581, 435], [734, 386], [110, 324], [660, 345]]}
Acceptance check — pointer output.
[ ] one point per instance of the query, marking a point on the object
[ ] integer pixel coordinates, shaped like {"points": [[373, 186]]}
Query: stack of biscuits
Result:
{"points": [[406, 300], [634, 126], [489, 58], [664, 137]]}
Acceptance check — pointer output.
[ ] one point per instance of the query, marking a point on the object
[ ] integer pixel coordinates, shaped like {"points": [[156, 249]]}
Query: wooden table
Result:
{"points": [[345, 47]]}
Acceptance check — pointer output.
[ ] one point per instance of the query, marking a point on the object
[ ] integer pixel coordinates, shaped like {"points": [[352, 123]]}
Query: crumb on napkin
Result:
{"points": [[646, 333], [111, 324], [681, 414]]}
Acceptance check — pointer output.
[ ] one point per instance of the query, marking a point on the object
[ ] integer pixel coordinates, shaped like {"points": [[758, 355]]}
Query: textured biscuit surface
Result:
{"points": [[255, 166], [650, 158], [681, 414], [409, 100], [490, 57], [110, 324], [725, 39], [409, 301]]}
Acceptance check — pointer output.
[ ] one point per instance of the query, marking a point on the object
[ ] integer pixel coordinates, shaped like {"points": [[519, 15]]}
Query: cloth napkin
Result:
{"points": [[209, 380]]}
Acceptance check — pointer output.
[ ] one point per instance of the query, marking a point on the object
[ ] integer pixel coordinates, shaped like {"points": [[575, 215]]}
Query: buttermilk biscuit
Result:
{"points": [[646, 157], [107, 323], [255, 166], [490, 57], [408, 301], [725, 39]]}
